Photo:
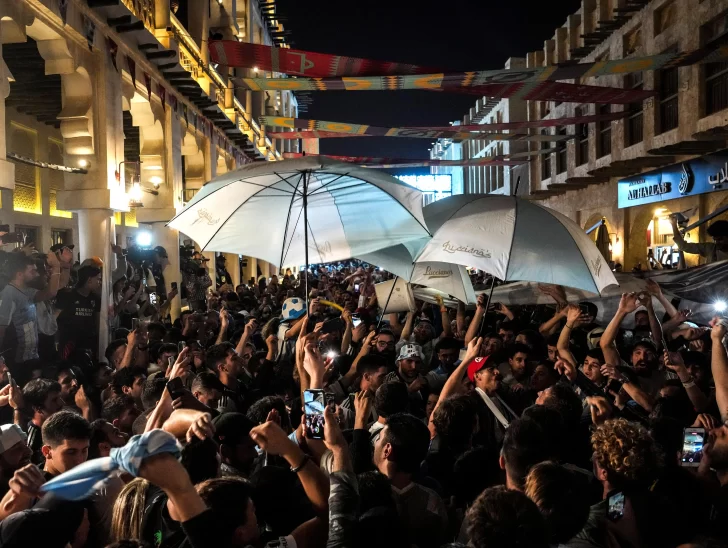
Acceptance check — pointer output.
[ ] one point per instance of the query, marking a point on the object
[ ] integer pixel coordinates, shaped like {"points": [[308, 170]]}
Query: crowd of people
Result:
{"points": [[486, 427]]}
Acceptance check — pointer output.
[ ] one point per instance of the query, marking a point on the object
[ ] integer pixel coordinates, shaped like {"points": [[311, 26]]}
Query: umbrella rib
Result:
{"points": [[263, 186], [295, 188], [324, 186], [291, 242], [341, 188], [288, 220]]}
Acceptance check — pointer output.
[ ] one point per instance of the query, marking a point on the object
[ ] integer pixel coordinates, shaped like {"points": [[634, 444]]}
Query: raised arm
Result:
{"points": [[446, 327], [627, 304], [549, 326], [655, 327], [654, 289], [248, 331], [674, 362], [454, 383], [474, 326], [272, 439], [346, 338], [407, 329], [719, 364], [573, 313]]}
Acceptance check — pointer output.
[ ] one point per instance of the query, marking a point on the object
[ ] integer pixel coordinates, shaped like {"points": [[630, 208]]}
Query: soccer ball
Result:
{"points": [[293, 308]]}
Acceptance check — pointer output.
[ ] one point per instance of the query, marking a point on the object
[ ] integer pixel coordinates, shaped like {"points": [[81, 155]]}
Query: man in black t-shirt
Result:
{"points": [[66, 439], [78, 320]]}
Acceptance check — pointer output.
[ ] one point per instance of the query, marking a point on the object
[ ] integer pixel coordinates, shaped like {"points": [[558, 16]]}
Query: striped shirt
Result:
{"points": [[17, 306]]}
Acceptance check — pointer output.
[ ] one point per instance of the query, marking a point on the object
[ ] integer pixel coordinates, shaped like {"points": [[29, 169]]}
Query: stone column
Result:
{"points": [[7, 168], [233, 266], [95, 231]]}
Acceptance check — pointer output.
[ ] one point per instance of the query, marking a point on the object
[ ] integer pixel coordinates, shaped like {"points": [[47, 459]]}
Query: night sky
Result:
{"points": [[455, 35]]}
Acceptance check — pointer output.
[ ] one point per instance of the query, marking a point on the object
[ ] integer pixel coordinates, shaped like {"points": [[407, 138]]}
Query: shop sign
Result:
{"points": [[706, 174]]}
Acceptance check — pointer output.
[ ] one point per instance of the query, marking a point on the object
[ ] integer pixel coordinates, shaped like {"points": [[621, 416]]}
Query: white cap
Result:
{"points": [[10, 435]]}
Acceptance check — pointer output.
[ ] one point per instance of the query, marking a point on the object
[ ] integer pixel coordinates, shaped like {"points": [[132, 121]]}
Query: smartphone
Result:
{"points": [[692, 451], [10, 379], [352, 400], [356, 288], [152, 298], [181, 346], [176, 388], [174, 286], [584, 309], [615, 506], [134, 324], [355, 320], [170, 361], [313, 411]]}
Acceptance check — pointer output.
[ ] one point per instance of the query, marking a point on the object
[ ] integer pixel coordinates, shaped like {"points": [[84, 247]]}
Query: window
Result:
{"points": [[665, 17], [633, 126], [605, 132], [30, 235], [582, 134], [715, 74], [545, 158], [60, 236], [632, 41], [668, 96], [561, 159]]}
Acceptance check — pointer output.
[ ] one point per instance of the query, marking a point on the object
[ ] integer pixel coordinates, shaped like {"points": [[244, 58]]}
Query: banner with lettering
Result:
{"points": [[468, 83], [320, 65], [699, 176], [362, 129]]}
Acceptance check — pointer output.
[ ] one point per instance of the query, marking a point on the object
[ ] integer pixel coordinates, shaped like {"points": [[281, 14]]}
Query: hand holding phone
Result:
{"points": [[176, 388], [693, 442], [615, 506], [313, 409]]}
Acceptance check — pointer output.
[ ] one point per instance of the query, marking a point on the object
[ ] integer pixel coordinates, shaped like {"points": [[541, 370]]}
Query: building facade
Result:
{"points": [[125, 93], [673, 133]]}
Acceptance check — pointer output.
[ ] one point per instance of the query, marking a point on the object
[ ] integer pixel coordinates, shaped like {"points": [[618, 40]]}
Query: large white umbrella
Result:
{"points": [[514, 239], [510, 238], [261, 211]]}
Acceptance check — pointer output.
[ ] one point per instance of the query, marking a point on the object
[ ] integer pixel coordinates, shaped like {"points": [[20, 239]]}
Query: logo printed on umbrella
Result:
{"points": [[597, 265], [450, 248], [204, 215], [432, 273]]}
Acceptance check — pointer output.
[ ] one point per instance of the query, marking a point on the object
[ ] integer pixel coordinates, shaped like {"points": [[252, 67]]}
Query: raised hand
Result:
{"points": [[629, 303]]}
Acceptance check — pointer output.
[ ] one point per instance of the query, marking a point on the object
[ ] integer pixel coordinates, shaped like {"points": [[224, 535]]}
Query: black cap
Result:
{"points": [[159, 250], [59, 247]]}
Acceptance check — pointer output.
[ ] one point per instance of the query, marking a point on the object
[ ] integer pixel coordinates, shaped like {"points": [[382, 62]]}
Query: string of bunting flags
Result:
{"points": [[320, 129], [382, 163], [189, 115], [320, 65], [350, 129], [469, 82]]}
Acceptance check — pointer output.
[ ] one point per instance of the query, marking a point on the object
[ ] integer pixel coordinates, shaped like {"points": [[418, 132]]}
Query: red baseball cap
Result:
{"points": [[475, 365]]}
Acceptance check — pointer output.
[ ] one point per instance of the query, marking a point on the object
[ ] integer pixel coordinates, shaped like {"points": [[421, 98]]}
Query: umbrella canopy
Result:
{"points": [[512, 239], [261, 209]]}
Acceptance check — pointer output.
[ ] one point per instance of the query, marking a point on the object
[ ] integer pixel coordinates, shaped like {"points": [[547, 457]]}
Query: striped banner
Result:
{"points": [[470, 82], [320, 65], [424, 134], [372, 162], [355, 130], [303, 63]]}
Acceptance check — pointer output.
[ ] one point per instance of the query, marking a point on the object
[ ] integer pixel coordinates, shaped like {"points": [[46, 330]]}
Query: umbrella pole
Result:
{"points": [[305, 232], [381, 317], [487, 304]]}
